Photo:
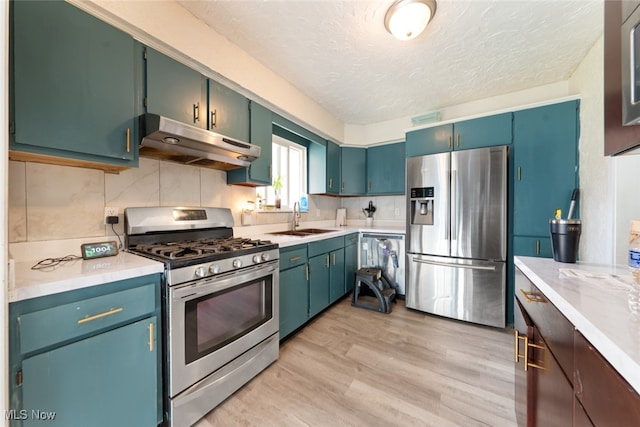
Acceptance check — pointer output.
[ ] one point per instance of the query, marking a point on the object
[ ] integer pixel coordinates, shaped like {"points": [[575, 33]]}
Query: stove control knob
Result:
{"points": [[214, 269], [237, 263], [201, 272], [265, 256], [257, 258]]}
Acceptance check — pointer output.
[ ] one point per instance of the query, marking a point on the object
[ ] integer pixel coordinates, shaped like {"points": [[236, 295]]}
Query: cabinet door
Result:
{"points": [[438, 139], [336, 275], [73, 83], [350, 262], [386, 168], [353, 170], [532, 246], [545, 158], [318, 283], [483, 132], [294, 299], [523, 384], [261, 133], [333, 168], [110, 379], [175, 90], [228, 112]]}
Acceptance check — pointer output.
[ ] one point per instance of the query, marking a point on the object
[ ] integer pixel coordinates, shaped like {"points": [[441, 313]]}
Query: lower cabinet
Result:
{"points": [[91, 354], [318, 283], [294, 289], [560, 378], [350, 261]]}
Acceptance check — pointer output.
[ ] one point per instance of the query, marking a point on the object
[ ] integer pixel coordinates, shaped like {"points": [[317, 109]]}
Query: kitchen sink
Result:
{"points": [[301, 232]]}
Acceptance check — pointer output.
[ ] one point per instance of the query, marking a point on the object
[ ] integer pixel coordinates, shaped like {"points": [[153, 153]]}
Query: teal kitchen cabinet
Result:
{"points": [[437, 139], [326, 273], [350, 261], [353, 165], [386, 169], [294, 289], [474, 133], [261, 133], [73, 88], [228, 112], [545, 172], [174, 90], [333, 167], [93, 353]]}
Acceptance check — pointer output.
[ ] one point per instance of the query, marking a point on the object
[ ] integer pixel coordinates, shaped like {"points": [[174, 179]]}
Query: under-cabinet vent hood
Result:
{"points": [[167, 139]]}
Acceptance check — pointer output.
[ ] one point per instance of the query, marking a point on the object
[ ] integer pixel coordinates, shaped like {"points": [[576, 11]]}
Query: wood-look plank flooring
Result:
{"points": [[356, 367]]}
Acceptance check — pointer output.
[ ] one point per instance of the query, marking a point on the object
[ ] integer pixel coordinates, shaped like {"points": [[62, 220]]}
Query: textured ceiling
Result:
{"points": [[338, 52]]}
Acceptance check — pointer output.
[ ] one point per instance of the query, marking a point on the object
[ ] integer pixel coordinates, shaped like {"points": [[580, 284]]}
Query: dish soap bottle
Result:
{"points": [[634, 266]]}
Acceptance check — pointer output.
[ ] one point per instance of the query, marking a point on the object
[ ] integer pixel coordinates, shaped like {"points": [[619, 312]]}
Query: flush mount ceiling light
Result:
{"points": [[406, 19]]}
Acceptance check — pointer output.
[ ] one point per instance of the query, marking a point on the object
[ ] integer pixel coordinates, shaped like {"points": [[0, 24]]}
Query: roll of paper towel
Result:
{"points": [[341, 218]]}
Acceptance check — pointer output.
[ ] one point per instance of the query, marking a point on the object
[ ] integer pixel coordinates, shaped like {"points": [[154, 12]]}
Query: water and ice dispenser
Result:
{"points": [[422, 200]]}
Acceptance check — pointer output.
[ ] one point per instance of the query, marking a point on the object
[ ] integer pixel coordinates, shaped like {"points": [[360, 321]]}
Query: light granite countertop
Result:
{"points": [[76, 274], [594, 299], [285, 241]]}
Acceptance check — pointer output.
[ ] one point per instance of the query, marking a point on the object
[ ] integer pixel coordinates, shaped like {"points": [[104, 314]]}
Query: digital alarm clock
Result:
{"points": [[98, 250]]}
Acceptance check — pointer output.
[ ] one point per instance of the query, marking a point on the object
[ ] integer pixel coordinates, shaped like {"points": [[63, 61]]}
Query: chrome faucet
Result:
{"points": [[295, 220]]}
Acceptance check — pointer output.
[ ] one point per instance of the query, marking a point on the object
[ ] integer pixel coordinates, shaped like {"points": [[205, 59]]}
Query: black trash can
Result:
{"points": [[565, 236]]}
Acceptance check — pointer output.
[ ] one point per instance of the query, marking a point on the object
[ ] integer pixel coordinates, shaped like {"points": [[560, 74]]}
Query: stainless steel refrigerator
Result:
{"points": [[457, 234]]}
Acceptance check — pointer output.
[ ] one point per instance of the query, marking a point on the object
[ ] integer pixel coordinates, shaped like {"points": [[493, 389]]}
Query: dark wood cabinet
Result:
{"points": [[617, 138]]}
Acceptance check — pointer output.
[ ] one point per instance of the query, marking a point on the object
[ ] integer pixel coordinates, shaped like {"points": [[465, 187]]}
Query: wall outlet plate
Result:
{"points": [[109, 211]]}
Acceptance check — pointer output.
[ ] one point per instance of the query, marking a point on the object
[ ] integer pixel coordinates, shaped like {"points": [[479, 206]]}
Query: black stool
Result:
{"points": [[374, 281]]}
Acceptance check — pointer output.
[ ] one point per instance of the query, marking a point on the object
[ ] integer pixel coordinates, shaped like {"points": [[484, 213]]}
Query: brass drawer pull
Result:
{"points": [[128, 133], [533, 297], [294, 259], [151, 337], [306, 267], [525, 356], [99, 316]]}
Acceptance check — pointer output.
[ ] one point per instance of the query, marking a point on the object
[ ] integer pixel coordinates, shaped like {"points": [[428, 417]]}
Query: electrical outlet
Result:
{"points": [[397, 211], [109, 211]]}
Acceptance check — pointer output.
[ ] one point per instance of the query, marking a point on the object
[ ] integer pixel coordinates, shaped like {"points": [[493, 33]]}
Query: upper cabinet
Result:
{"points": [[617, 138], [175, 90], [474, 133], [259, 173], [73, 88], [333, 168], [386, 169], [228, 112], [352, 171]]}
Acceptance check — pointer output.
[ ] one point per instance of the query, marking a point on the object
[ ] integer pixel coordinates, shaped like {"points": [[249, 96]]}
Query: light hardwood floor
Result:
{"points": [[356, 367]]}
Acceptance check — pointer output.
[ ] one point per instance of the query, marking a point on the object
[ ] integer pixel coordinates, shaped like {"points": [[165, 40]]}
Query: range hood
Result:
{"points": [[171, 140]]}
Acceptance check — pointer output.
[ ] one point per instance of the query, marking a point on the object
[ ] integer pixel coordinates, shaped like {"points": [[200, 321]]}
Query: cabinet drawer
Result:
{"points": [[553, 326], [351, 239], [606, 397], [50, 326], [291, 257], [324, 246]]}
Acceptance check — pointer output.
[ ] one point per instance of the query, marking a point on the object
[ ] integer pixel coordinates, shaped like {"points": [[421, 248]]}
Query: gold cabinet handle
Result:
{"points": [[196, 112], [330, 182], [327, 260], [519, 173], [334, 258], [343, 185], [128, 138], [533, 297], [151, 337], [111, 312], [537, 247], [214, 118], [306, 267], [450, 140], [369, 185], [525, 356], [458, 140], [294, 259]]}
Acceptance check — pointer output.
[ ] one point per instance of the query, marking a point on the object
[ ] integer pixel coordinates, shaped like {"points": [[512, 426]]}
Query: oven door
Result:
{"points": [[214, 320]]}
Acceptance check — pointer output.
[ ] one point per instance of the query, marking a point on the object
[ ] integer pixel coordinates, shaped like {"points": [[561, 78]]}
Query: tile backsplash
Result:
{"points": [[49, 202]]}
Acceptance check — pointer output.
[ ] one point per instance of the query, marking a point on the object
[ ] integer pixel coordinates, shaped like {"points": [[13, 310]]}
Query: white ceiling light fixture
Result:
{"points": [[406, 19]]}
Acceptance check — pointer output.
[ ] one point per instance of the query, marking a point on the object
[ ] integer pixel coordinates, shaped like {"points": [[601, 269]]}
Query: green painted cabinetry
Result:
{"points": [[73, 87], [318, 283], [228, 111], [386, 168], [294, 289], [260, 133], [174, 90], [353, 163], [350, 261], [326, 273], [474, 133], [545, 172], [333, 168], [90, 354], [336, 275]]}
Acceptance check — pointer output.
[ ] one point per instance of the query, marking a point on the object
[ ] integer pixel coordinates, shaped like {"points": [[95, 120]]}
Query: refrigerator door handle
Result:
{"points": [[454, 210], [447, 264]]}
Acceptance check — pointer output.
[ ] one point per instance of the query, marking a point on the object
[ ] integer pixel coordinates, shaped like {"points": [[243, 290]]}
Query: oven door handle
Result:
{"points": [[214, 284]]}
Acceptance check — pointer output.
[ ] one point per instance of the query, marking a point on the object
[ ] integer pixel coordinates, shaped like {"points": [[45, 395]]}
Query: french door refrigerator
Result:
{"points": [[457, 234]]}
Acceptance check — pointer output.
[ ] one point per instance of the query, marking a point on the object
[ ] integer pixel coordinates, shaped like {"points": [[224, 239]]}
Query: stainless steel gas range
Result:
{"points": [[220, 303]]}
